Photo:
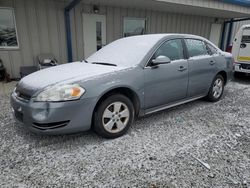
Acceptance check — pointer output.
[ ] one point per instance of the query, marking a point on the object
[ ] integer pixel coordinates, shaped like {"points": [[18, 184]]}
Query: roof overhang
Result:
{"points": [[209, 8]]}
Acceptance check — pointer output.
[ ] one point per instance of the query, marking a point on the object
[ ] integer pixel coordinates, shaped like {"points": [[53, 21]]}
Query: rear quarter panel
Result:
{"points": [[225, 63]]}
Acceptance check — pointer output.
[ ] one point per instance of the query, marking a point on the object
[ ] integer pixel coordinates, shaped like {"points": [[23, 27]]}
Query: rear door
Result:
{"points": [[244, 52], [202, 67]]}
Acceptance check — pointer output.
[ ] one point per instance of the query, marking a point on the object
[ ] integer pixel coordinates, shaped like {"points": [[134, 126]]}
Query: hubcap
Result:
{"points": [[217, 88], [115, 117]]}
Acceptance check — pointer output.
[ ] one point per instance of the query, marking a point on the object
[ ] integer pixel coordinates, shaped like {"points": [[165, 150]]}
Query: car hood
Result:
{"points": [[70, 72]]}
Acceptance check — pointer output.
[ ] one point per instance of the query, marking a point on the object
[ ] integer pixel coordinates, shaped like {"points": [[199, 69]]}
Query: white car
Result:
{"points": [[241, 50]]}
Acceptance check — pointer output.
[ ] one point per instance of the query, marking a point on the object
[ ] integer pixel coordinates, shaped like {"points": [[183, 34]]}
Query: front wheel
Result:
{"points": [[113, 116], [216, 89]]}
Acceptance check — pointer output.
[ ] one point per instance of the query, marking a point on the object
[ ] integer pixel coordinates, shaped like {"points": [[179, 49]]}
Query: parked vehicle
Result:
{"points": [[130, 77], [241, 50]]}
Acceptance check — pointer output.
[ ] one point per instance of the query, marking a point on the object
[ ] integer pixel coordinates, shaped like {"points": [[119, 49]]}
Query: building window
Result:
{"points": [[8, 34], [134, 26]]}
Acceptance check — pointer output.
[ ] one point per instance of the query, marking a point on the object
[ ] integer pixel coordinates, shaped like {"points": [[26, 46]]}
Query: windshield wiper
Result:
{"points": [[100, 63]]}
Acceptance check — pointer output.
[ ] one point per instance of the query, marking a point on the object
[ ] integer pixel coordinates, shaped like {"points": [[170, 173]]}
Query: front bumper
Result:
{"points": [[54, 117], [239, 68]]}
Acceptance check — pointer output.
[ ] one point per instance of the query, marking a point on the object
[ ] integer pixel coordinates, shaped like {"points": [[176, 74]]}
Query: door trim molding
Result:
{"points": [[159, 108]]}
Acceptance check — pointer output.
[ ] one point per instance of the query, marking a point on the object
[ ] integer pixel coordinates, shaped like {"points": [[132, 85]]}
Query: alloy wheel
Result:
{"points": [[115, 117], [217, 88]]}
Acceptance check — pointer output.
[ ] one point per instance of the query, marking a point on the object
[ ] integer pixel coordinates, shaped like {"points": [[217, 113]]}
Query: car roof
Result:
{"points": [[168, 35]]}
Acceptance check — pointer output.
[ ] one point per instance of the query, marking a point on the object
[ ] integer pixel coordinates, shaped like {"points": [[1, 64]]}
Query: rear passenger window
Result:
{"points": [[212, 49], [196, 47], [173, 49]]}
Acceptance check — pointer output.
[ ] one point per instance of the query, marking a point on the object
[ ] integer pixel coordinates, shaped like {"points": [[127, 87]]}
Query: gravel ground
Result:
{"points": [[199, 144]]}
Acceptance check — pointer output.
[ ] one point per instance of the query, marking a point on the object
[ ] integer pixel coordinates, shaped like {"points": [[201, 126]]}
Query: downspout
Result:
{"points": [[68, 27], [223, 36]]}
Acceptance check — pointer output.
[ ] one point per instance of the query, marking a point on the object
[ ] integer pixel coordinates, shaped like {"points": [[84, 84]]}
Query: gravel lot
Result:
{"points": [[199, 144]]}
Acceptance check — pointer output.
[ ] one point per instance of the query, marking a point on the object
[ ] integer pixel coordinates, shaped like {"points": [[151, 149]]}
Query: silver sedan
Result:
{"points": [[130, 77]]}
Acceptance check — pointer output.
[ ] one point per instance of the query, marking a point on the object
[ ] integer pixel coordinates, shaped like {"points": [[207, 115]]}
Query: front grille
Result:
{"points": [[44, 126], [245, 66], [18, 115], [22, 95]]}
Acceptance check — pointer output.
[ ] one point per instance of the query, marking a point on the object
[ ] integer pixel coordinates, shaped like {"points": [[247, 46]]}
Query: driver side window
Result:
{"points": [[172, 49]]}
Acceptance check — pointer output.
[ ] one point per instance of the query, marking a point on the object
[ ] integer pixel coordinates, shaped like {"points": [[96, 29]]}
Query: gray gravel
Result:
{"points": [[199, 144]]}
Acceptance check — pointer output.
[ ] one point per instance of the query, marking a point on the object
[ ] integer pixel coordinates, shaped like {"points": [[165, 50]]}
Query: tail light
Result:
{"points": [[229, 49]]}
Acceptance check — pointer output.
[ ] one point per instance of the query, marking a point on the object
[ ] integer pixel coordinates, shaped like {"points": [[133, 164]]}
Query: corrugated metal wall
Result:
{"points": [[41, 28], [157, 22]]}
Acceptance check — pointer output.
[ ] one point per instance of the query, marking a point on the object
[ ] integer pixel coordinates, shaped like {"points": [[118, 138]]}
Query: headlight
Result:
{"points": [[61, 93]]}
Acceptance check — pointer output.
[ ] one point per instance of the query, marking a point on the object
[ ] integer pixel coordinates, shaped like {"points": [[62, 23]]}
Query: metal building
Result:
{"points": [[41, 26]]}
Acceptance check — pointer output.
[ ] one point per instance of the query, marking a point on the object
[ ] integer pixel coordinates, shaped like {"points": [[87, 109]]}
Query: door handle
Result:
{"points": [[212, 62], [182, 68]]}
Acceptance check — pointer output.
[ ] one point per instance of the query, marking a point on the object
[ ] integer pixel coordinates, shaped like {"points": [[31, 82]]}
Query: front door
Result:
{"points": [[94, 33], [167, 83]]}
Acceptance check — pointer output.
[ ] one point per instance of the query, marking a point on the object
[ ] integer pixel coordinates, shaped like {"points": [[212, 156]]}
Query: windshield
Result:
{"points": [[125, 52]]}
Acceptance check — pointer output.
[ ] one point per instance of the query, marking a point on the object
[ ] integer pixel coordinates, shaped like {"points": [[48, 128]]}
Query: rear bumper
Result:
{"points": [[54, 118], [239, 68]]}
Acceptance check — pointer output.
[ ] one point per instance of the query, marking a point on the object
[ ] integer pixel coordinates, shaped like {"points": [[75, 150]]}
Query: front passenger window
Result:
{"points": [[212, 49], [172, 49]]}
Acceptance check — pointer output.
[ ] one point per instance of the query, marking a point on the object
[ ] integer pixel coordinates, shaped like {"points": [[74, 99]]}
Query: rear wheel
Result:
{"points": [[216, 89], [113, 116]]}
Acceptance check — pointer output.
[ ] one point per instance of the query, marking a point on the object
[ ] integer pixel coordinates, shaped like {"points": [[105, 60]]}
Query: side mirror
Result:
{"points": [[161, 60]]}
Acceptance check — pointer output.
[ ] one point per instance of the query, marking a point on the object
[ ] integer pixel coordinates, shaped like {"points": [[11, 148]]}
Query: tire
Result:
{"points": [[217, 88], [113, 116]]}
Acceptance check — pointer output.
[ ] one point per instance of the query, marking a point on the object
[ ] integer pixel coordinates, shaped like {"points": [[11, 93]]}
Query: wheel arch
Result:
{"points": [[224, 75], [124, 90]]}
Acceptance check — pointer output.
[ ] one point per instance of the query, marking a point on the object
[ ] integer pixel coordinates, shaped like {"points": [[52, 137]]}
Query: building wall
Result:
{"points": [[41, 28]]}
